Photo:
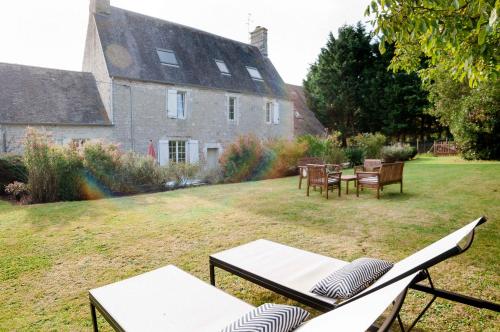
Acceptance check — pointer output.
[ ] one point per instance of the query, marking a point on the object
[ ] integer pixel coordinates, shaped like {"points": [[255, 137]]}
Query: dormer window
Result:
{"points": [[222, 67], [254, 73], [167, 57]]}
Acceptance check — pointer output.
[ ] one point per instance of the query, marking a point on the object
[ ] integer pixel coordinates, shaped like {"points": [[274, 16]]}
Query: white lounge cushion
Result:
{"points": [[290, 267], [352, 278], [169, 299], [269, 317]]}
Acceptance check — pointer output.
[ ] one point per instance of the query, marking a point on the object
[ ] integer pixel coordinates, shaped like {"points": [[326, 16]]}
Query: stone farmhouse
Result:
{"points": [[188, 91]]}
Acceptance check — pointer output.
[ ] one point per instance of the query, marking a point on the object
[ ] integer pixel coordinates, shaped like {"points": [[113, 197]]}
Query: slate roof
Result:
{"points": [[33, 95], [304, 120], [130, 41]]}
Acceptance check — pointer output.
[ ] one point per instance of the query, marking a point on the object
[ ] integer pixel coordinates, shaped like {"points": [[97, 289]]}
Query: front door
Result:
{"points": [[212, 158]]}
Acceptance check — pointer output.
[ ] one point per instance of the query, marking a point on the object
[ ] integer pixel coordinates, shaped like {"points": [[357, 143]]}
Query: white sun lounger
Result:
{"points": [[171, 300], [292, 272]]}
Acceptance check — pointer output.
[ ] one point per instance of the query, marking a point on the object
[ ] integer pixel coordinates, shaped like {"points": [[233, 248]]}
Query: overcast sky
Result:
{"points": [[51, 33]]}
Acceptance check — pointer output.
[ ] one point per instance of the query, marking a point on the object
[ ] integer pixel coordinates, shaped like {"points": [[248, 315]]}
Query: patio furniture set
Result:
{"points": [[372, 174], [169, 299]]}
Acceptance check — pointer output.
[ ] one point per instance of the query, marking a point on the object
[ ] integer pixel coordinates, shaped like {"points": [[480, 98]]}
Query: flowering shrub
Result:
{"points": [[12, 169], [242, 160], [17, 189], [284, 156], [398, 152], [251, 159]]}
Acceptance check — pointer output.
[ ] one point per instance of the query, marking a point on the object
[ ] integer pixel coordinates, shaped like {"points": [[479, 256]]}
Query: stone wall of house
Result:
{"points": [[140, 115], [94, 62], [14, 134]]}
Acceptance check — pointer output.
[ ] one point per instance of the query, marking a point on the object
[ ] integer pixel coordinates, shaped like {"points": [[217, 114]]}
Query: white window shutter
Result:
{"points": [[163, 152], [194, 154], [276, 112], [172, 103]]}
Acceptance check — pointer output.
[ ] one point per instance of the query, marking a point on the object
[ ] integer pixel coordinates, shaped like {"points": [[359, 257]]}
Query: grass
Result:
{"points": [[52, 254]]}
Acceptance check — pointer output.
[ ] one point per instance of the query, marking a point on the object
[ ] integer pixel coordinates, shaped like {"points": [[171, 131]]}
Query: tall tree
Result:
{"points": [[334, 83], [351, 90], [472, 114], [460, 37]]}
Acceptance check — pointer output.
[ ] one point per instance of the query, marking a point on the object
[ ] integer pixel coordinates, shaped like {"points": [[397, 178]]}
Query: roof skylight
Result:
{"points": [[222, 67], [167, 57], [254, 73]]}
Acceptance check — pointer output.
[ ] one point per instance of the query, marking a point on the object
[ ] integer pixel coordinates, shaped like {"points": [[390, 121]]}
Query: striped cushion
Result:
{"points": [[333, 180], [269, 318], [352, 278], [371, 179]]}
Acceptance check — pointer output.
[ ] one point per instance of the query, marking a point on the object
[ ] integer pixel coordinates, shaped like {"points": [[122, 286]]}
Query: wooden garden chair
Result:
{"points": [[320, 176], [369, 165], [302, 165], [389, 173]]}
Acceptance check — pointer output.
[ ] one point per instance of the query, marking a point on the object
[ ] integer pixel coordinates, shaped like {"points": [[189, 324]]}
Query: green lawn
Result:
{"points": [[51, 255]]}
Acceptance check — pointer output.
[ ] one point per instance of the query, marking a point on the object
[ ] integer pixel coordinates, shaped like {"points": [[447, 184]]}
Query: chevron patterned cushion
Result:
{"points": [[269, 318], [352, 278]]}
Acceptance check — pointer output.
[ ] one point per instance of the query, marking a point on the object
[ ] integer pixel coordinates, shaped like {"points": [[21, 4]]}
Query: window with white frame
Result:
{"points": [[222, 67], [167, 57], [231, 108], [176, 104], [181, 104], [269, 111], [254, 73], [177, 151]]}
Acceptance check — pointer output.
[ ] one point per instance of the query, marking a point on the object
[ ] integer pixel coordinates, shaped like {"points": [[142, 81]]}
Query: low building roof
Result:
{"points": [[33, 95], [305, 121], [130, 42]]}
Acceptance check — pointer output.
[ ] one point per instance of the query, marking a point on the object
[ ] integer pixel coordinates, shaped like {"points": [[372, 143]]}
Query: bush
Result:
{"points": [[120, 172], [398, 152], [70, 173], [211, 176], [102, 162], [372, 144], [12, 169], [329, 148], [138, 173], [242, 160], [17, 190], [250, 159], [54, 173], [333, 153], [355, 155], [181, 173], [283, 156], [42, 167], [315, 145]]}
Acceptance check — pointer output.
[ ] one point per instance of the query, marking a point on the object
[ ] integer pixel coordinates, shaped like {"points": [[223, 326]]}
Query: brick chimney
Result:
{"points": [[258, 38], [100, 7]]}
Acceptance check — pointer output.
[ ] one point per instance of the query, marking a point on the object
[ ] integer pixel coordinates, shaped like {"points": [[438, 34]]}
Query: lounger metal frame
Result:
{"points": [[318, 304], [94, 304]]}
